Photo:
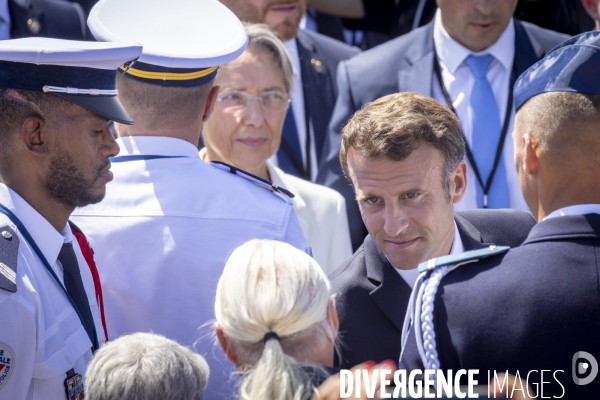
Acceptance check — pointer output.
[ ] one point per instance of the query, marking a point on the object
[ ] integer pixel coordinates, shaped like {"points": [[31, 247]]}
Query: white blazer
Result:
{"points": [[323, 219]]}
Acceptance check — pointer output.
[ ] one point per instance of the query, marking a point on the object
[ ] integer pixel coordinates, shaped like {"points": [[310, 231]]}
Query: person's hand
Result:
{"points": [[507, 389], [330, 389]]}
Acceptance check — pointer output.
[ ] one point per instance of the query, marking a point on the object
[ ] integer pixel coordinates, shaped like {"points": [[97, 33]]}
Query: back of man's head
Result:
{"points": [[557, 150], [566, 125], [162, 108], [146, 366]]}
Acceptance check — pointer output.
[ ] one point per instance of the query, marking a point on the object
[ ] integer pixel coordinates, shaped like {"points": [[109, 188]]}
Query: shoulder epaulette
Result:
{"points": [[462, 258], [263, 183], [9, 251]]}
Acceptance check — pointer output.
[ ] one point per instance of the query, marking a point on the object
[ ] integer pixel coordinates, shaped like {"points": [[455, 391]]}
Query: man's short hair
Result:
{"points": [[564, 122], [162, 107], [394, 126], [146, 366], [18, 105]]}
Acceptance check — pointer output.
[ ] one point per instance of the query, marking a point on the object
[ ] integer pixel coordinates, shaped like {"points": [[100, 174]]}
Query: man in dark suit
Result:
{"points": [[537, 307], [461, 30], [58, 19], [315, 59], [404, 155]]}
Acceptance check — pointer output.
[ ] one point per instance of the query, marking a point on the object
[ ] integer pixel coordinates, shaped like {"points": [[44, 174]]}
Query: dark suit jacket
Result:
{"points": [[319, 58], [530, 309], [372, 297], [58, 19], [404, 64]]}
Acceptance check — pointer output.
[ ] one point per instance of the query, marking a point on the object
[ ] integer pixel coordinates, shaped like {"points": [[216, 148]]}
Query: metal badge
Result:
{"points": [[74, 386], [34, 26], [317, 65], [6, 235]]}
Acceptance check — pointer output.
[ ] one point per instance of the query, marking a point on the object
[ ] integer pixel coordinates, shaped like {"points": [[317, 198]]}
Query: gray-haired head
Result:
{"points": [[146, 366], [261, 37]]}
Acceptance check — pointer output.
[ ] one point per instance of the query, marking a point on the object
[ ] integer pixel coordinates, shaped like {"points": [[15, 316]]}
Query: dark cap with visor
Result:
{"points": [[81, 72]]}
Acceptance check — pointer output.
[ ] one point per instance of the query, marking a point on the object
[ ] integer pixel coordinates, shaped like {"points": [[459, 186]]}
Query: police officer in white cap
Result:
{"points": [[169, 220], [56, 99]]}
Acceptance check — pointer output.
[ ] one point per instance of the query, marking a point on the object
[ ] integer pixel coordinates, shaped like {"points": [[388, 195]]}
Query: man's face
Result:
{"points": [[79, 168], [404, 204], [283, 16], [476, 24]]}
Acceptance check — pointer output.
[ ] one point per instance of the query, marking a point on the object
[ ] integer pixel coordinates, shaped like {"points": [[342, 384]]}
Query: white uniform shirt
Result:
{"points": [[38, 324], [410, 275], [162, 236], [459, 81]]}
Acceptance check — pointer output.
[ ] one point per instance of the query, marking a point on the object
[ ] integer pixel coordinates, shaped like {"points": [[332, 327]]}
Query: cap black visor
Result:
{"points": [[107, 106]]}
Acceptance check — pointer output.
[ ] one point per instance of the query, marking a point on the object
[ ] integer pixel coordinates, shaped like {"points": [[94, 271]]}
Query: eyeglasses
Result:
{"points": [[235, 100]]}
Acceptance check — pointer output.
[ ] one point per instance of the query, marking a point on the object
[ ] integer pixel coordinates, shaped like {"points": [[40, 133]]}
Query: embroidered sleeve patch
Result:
{"points": [[7, 362]]}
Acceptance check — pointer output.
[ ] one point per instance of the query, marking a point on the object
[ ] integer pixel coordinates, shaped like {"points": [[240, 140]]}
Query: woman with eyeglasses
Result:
{"points": [[245, 131]]}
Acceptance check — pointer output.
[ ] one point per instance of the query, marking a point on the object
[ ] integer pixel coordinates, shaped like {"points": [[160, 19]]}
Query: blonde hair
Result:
{"points": [[270, 286], [261, 37]]}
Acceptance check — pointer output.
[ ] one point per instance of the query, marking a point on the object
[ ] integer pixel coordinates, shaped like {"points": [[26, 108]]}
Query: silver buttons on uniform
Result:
{"points": [[6, 235]]}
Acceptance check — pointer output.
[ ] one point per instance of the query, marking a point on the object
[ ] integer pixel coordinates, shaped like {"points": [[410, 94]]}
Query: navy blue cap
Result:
{"points": [[83, 73], [572, 66]]}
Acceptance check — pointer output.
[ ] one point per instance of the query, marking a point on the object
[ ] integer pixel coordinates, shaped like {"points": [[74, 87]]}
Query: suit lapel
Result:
{"points": [[417, 76], [527, 52], [469, 235], [392, 293], [318, 88]]}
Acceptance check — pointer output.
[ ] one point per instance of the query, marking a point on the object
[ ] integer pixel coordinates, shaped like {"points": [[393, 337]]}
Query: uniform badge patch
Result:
{"points": [[7, 362]]}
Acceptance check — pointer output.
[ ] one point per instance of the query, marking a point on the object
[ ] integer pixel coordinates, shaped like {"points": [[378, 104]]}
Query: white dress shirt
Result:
{"points": [[4, 20], [579, 209], [459, 81], [297, 97], [410, 275], [162, 236], [39, 325]]}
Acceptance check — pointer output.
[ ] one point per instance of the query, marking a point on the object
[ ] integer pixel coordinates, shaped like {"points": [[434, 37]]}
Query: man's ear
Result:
{"points": [[225, 344], [210, 102], [458, 183], [530, 154], [591, 8], [32, 137]]}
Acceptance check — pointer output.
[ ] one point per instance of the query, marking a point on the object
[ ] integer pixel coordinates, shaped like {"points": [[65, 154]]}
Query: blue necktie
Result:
{"points": [[290, 135], [486, 134]]}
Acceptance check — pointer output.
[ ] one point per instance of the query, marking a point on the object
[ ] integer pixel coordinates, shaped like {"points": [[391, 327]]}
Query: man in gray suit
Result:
{"points": [[435, 60]]}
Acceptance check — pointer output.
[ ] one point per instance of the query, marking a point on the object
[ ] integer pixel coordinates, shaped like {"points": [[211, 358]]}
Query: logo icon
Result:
{"points": [[580, 367], [6, 364]]}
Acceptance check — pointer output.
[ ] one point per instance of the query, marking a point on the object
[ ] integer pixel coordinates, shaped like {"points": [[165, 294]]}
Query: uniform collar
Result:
{"points": [[453, 54], [280, 178], [156, 145], [48, 239], [578, 209]]}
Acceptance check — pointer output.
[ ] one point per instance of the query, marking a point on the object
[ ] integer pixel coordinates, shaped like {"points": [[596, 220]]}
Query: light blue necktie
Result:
{"points": [[486, 134], [4, 20]]}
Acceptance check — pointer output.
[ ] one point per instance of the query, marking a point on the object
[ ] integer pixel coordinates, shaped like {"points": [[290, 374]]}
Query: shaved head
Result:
{"points": [[557, 150], [565, 124]]}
